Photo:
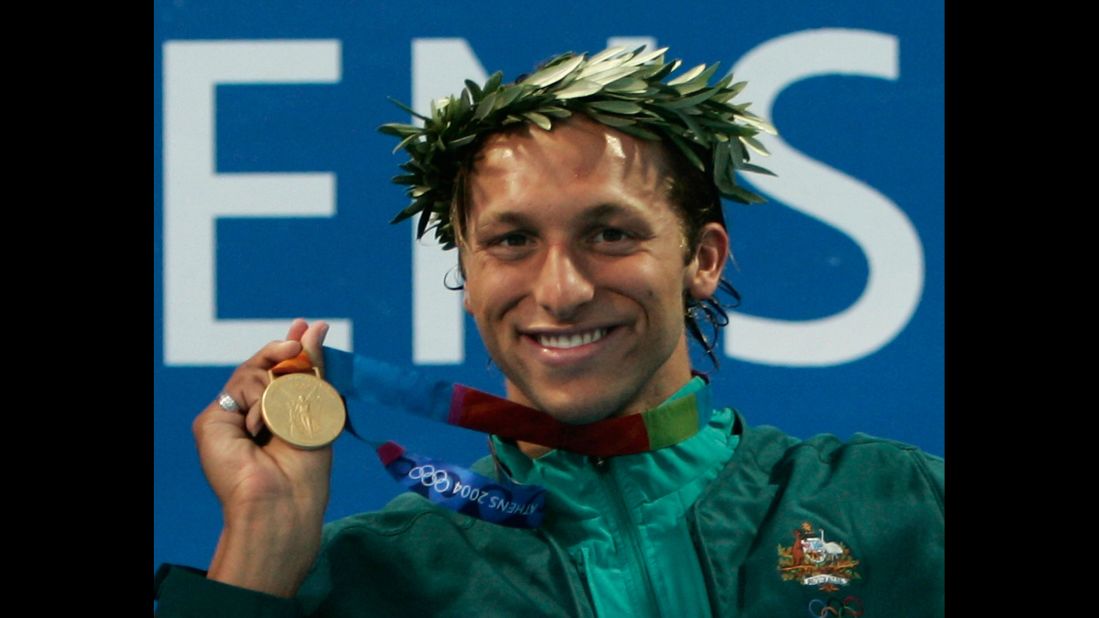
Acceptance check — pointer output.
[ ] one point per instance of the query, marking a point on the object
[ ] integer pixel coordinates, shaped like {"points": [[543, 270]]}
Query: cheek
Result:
{"points": [[474, 298], [473, 272], [653, 284], [490, 292]]}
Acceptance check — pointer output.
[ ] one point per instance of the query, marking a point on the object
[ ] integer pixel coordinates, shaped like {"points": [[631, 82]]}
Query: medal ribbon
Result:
{"points": [[377, 383]]}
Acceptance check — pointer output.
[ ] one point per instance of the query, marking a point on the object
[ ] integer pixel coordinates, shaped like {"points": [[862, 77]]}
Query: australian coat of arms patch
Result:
{"points": [[813, 560]]}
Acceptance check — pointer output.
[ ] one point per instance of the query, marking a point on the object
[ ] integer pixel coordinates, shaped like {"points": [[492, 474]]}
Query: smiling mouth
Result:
{"points": [[565, 342]]}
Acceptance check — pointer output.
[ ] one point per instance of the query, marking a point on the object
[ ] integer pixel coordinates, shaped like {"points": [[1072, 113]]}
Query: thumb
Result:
{"points": [[313, 340]]}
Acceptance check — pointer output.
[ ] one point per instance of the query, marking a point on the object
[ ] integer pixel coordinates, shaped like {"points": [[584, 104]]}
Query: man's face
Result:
{"points": [[575, 270]]}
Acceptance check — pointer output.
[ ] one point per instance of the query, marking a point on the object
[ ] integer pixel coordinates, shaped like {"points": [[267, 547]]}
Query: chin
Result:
{"points": [[573, 410]]}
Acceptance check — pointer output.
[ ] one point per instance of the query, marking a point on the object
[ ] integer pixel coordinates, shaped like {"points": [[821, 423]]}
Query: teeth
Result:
{"points": [[565, 342]]}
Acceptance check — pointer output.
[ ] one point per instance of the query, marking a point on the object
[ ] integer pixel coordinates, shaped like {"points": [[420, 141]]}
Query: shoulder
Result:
{"points": [[876, 501], [869, 464], [771, 469], [412, 540], [402, 514]]}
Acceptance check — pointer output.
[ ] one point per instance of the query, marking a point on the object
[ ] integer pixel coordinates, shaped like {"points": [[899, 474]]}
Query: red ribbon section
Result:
{"points": [[474, 409]]}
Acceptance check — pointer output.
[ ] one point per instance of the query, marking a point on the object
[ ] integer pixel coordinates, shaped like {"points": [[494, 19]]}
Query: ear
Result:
{"points": [[707, 265], [465, 300]]}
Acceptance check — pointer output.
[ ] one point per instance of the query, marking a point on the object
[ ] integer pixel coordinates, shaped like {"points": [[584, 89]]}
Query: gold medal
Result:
{"points": [[303, 409]]}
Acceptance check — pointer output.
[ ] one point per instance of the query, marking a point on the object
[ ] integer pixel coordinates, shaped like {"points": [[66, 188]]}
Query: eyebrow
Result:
{"points": [[506, 218], [604, 211], [596, 213]]}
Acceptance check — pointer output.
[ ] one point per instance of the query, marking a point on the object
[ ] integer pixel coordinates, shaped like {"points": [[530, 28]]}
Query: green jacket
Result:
{"points": [[781, 512]]}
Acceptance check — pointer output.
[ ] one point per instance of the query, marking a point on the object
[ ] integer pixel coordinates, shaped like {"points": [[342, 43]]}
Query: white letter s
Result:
{"points": [[893, 250]]}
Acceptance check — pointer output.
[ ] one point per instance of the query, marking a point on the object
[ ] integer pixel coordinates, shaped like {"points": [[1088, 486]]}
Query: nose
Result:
{"points": [[561, 287]]}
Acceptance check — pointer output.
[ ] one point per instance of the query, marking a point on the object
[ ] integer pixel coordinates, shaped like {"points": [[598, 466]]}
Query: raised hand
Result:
{"points": [[272, 495]]}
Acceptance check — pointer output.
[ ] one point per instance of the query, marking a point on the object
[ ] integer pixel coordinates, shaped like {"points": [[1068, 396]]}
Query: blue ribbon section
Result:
{"points": [[505, 502], [376, 383]]}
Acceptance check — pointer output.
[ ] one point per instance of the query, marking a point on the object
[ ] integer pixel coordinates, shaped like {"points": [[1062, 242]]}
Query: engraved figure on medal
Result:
{"points": [[300, 421]]}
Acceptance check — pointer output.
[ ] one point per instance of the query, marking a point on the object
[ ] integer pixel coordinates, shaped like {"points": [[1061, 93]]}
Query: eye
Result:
{"points": [[614, 241], [510, 245], [610, 234], [511, 239]]}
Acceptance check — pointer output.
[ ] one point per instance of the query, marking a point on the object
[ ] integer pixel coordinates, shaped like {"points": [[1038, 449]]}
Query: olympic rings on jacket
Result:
{"points": [[429, 476], [849, 607]]}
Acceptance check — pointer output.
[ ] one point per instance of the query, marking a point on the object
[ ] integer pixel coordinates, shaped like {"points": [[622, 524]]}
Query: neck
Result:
{"points": [[532, 450]]}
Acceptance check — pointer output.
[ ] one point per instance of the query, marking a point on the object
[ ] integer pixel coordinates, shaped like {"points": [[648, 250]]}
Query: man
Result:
{"points": [[590, 245]]}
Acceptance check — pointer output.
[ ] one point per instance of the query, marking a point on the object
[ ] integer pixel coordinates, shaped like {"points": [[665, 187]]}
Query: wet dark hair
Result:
{"points": [[696, 197]]}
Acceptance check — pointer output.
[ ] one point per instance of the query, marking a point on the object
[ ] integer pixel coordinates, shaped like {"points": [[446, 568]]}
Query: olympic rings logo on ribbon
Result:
{"points": [[834, 608], [429, 476]]}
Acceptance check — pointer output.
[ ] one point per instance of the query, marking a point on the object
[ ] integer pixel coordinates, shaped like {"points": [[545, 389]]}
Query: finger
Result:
{"points": [[313, 341], [255, 384], [253, 423], [245, 388], [215, 418], [297, 329], [215, 414], [227, 402], [272, 354]]}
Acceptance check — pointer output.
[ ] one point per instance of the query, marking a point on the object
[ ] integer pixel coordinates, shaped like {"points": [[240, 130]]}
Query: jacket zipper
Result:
{"points": [[622, 516]]}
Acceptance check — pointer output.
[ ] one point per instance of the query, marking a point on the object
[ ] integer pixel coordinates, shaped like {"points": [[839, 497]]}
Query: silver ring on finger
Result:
{"points": [[227, 403]]}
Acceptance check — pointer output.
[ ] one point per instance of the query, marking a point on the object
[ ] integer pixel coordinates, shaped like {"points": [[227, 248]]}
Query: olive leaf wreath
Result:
{"points": [[618, 88]]}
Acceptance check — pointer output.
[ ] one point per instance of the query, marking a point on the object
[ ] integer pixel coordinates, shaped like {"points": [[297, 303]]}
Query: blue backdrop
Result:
{"points": [[272, 196]]}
